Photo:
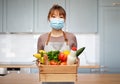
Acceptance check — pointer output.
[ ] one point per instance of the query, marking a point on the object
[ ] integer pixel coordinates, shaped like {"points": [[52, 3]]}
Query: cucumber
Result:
{"points": [[79, 51]]}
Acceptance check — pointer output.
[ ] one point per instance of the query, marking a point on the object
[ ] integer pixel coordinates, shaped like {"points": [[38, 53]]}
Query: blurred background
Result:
{"points": [[96, 24]]}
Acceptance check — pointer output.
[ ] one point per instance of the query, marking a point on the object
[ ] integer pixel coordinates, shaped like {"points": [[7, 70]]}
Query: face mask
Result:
{"points": [[57, 23]]}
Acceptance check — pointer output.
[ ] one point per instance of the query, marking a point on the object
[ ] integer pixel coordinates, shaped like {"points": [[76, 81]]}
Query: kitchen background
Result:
{"points": [[17, 48], [96, 24]]}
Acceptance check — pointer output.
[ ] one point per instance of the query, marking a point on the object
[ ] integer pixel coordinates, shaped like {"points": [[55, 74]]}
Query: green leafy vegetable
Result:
{"points": [[53, 55]]}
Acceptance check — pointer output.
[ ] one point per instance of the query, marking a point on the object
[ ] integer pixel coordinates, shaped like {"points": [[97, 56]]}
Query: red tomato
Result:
{"points": [[62, 57], [53, 62], [63, 63], [74, 48]]}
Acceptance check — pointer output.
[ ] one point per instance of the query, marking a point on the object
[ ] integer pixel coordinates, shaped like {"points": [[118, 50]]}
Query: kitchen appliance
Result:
{"points": [[3, 71]]}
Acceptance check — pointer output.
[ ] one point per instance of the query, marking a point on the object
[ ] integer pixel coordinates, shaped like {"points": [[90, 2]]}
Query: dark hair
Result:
{"points": [[59, 8]]}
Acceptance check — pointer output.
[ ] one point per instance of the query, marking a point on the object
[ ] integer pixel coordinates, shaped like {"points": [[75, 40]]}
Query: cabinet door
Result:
{"points": [[82, 16], [109, 3], [19, 15], [110, 19], [1, 15], [43, 7]]}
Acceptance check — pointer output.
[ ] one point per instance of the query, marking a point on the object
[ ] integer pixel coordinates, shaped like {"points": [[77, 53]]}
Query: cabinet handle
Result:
{"points": [[116, 4]]}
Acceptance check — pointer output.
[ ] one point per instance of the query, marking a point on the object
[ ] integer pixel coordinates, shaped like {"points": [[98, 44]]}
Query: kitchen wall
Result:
{"points": [[19, 48]]}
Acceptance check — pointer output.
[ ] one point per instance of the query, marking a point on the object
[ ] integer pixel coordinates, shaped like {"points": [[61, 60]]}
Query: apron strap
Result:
{"points": [[65, 38], [48, 38]]}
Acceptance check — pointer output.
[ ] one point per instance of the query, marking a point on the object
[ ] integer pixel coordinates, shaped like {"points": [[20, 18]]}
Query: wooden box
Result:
{"points": [[58, 73]]}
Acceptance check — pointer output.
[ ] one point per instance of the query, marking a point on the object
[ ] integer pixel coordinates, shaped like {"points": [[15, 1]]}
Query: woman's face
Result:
{"points": [[56, 20]]}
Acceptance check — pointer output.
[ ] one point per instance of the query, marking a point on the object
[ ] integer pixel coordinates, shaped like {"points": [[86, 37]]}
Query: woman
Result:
{"points": [[57, 39]]}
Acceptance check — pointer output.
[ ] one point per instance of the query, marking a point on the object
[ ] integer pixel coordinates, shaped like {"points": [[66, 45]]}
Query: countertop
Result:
{"points": [[18, 66], [23, 78], [34, 66]]}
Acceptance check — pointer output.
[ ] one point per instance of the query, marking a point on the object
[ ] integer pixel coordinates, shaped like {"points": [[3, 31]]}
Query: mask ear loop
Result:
{"points": [[65, 38], [48, 38]]}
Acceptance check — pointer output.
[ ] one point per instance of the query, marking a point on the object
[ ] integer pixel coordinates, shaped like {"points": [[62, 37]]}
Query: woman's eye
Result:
{"points": [[61, 17]]}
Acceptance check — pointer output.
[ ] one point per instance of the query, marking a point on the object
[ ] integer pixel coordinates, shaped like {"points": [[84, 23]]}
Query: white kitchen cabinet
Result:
{"points": [[109, 3], [42, 8], [82, 16], [109, 33], [31, 15], [1, 13], [19, 15], [26, 15]]}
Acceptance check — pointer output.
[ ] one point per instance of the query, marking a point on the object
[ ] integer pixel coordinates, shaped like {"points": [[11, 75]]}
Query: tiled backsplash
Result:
{"points": [[21, 47]]}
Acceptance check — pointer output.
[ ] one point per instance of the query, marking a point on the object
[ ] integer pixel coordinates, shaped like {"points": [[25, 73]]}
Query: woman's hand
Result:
{"points": [[77, 62], [38, 62]]}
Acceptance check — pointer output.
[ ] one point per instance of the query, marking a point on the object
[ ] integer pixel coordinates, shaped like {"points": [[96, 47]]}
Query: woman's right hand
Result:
{"points": [[38, 62]]}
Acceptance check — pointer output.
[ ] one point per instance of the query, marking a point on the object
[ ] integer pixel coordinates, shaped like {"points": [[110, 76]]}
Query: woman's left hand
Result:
{"points": [[77, 62]]}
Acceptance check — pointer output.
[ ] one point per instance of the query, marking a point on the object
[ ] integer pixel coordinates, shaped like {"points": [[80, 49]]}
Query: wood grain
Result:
{"points": [[66, 69], [14, 78]]}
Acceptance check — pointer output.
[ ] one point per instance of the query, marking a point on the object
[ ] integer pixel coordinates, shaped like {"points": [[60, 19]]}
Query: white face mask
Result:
{"points": [[57, 23]]}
